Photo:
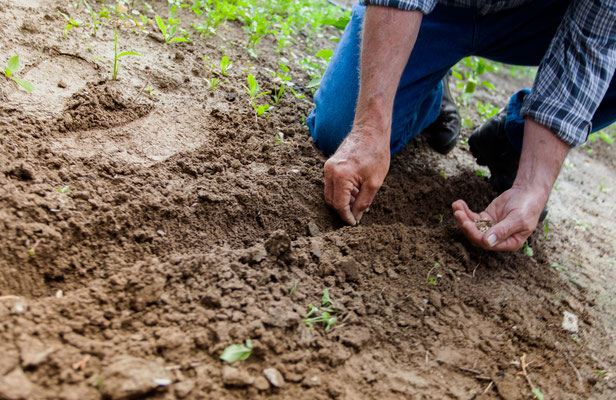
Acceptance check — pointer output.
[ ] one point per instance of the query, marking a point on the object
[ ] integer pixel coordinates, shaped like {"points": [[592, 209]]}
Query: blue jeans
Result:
{"points": [[519, 36]]}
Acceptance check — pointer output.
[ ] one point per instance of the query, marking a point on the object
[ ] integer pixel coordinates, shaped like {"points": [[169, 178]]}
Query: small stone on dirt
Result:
{"points": [[232, 376], [274, 377], [349, 266], [15, 386], [313, 229], [61, 84], [261, 384], [570, 322], [183, 389], [312, 381], [129, 377]]}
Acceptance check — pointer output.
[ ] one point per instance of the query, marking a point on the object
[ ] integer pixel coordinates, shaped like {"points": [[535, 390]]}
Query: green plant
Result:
{"points": [[12, 68], [527, 250], [546, 229], [236, 352], [283, 77], [170, 26], [293, 289], [469, 71], [324, 315], [433, 280], [225, 66], [212, 83], [558, 267], [64, 189], [486, 110], [326, 55], [537, 393], [116, 59], [482, 173], [70, 23], [253, 88]]}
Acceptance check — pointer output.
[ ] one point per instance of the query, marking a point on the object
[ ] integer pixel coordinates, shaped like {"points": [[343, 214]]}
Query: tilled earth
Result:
{"points": [[141, 234]]}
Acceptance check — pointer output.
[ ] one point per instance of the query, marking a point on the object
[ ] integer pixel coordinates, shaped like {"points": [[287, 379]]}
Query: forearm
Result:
{"points": [[389, 35], [543, 154]]}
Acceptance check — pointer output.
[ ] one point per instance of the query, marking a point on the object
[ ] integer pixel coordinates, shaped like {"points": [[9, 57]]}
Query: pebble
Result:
{"points": [[274, 377], [15, 386], [129, 377], [313, 229], [232, 376], [183, 389], [261, 384], [570, 322]]}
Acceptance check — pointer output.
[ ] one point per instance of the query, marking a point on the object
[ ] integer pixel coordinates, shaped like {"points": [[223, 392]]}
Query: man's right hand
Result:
{"points": [[355, 173]]}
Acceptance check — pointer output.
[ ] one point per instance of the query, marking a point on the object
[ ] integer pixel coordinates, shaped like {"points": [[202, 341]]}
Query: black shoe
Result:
{"points": [[491, 147], [442, 135]]}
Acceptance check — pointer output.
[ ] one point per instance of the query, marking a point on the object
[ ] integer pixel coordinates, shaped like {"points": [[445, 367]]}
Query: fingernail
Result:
{"points": [[492, 240]]}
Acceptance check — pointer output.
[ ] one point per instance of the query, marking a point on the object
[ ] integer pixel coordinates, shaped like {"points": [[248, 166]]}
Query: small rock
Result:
{"points": [[274, 377], [232, 376], [356, 338], [129, 377], [278, 243], [33, 352], [570, 322], [313, 229], [183, 389], [15, 386], [312, 381], [349, 266], [62, 84], [435, 299], [315, 249], [261, 384]]}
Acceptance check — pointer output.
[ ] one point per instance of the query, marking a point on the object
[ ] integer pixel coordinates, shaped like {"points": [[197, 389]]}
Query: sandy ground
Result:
{"points": [[142, 233]]}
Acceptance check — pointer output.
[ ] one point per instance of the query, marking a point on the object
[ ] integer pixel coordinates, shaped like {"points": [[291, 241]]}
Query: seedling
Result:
{"points": [[253, 88], [212, 83], [546, 229], [537, 393], [283, 77], [236, 352], [433, 280], [324, 315], [169, 28], [225, 66], [13, 67], [482, 173], [116, 59], [64, 189], [558, 267], [70, 23], [260, 110], [293, 289], [527, 250]]}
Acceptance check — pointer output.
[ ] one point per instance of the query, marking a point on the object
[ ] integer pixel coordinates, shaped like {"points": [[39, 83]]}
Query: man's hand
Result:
{"points": [[355, 173], [516, 211]]}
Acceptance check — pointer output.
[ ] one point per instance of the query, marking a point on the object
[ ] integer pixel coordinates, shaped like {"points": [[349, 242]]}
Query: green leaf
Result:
{"points": [[178, 39], [236, 352], [457, 75], [325, 54], [488, 85], [316, 82], [24, 84], [471, 85], [326, 300], [128, 53], [13, 65], [161, 25], [537, 393]]}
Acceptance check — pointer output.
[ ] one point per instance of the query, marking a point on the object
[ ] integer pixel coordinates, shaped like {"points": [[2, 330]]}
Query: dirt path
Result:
{"points": [[141, 234]]}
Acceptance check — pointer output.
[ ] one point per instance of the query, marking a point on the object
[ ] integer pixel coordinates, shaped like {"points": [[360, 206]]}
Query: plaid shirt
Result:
{"points": [[576, 70]]}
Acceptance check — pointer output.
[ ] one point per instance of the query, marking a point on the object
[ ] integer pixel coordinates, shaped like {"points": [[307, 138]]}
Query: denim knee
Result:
{"points": [[328, 128]]}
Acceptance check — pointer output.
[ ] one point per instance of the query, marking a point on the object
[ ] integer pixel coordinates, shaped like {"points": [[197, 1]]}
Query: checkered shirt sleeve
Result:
{"points": [[576, 71], [425, 6]]}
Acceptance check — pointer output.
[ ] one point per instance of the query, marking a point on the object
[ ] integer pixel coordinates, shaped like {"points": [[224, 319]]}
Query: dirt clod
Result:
{"points": [[274, 377], [129, 377]]}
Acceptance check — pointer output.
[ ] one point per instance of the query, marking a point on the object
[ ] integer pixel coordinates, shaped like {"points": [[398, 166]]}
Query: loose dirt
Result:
{"points": [[182, 226]]}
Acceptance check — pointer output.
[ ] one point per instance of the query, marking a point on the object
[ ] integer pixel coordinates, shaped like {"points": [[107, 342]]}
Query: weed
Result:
{"points": [[558, 267], [546, 229], [253, 88], [12, 68], [482, 173], [527, 250], [282, 77], [212, 83], [236, 352], [170, 26], [433, 280], [116, 59], [225, 66], [486, 110], [293, 289], [325, 314], [70, 23], [537, 393], [603, 188], [98, 384]]}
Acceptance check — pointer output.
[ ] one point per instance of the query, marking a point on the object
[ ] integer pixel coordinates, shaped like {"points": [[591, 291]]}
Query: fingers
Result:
{"points": [[364, 199], [507, 235]]}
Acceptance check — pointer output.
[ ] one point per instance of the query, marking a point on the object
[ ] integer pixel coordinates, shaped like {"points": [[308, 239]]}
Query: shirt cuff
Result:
{"points": [[425, 6], [570, 128]]}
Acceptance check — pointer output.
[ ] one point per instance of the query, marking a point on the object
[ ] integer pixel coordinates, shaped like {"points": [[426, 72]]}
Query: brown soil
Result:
{"points": [[185, 226]]}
